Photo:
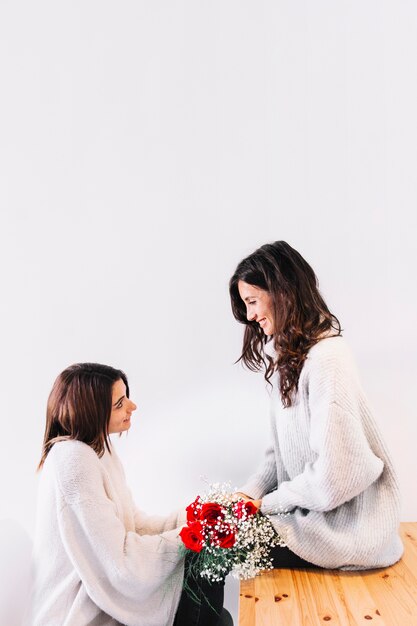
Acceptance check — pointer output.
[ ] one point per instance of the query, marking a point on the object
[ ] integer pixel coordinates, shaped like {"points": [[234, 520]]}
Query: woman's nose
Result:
{"points": [[251, 315], [133, 407]]}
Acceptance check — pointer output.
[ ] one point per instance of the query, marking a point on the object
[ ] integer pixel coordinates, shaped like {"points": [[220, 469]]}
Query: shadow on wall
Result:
{"points": [[15, 572]]}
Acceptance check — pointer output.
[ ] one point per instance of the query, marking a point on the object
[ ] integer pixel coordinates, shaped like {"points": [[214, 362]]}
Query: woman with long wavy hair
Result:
{"points": [[327, 481]]}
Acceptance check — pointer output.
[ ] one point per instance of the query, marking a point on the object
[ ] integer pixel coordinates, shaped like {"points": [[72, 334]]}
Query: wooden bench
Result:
{"points": [[383, 597]]}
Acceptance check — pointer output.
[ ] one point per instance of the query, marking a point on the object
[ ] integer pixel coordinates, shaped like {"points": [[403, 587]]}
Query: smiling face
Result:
{"points": [[121, 409], [259, 306]]}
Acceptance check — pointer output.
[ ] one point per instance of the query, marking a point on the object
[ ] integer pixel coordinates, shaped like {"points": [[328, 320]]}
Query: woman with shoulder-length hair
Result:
{"points": [[97, 558], [327, 481]]}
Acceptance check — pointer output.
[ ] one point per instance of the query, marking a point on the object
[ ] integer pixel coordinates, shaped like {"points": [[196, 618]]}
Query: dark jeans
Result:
{"points": [[283, 558], [209, 610]]}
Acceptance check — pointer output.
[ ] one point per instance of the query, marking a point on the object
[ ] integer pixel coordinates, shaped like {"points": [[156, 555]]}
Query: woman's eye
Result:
{"points": [[119, 406]]}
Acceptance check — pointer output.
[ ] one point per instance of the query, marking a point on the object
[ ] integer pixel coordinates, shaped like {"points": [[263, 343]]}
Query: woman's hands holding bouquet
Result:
{"points": [[239, 495], [226, 533]]}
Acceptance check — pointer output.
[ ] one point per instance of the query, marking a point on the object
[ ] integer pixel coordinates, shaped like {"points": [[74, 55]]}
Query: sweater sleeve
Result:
{"points": [[119, 569], [153, 524], [344, 465]]}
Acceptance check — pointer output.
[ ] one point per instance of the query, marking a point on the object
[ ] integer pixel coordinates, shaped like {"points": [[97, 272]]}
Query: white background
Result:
{"points": [[145, 148]]}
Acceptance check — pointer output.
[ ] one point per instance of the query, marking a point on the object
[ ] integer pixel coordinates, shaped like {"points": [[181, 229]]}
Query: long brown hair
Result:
{"points": [[79, 406], [301, 316]]}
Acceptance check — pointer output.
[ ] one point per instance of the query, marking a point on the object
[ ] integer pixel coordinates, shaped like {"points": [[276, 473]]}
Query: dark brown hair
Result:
{"points": [[301, 316], [79, 406]]}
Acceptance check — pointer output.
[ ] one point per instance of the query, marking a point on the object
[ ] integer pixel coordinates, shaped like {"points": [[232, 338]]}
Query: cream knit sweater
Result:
{"points": [[329, 470], [97, 559]]}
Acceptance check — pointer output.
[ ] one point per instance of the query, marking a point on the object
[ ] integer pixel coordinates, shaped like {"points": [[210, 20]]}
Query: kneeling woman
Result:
{"points": [[98, 559]]}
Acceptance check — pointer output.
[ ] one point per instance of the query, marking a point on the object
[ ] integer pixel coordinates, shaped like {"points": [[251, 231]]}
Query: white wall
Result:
{"points": [[145, 148]]}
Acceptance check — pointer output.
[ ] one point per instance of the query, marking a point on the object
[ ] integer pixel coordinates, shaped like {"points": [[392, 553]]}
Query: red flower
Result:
{"points": [[250, 508], [210, 513], [242, 508], [226, 537], [192, 536], [193, 510]]}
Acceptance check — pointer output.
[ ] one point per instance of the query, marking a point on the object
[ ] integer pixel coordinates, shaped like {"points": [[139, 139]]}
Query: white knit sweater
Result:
{"points": [[97, 559], [329, 470]]}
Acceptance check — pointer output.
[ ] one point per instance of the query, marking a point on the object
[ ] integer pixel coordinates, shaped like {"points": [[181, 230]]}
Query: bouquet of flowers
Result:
{"points": [[227, 536]]}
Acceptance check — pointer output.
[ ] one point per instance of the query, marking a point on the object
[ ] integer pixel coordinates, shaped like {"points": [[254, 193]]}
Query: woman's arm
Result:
{"points": [[345, 467], [154, 524], [345, 463], [120, 570]]}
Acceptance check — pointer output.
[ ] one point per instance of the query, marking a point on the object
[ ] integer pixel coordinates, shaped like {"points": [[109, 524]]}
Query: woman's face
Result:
{"points": [[258, 306], [121, 409]]}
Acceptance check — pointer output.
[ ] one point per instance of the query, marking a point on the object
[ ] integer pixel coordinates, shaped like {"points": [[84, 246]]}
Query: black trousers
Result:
{"points": [[209, 610], [284, 558]]}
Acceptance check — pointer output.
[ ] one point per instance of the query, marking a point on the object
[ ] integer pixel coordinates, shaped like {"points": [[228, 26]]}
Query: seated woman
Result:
{"points": [[99, 560], [327, 481]]}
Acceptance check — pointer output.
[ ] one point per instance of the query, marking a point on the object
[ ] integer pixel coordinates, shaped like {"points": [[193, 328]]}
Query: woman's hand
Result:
{"points": [[242, 496], [238, 495]]}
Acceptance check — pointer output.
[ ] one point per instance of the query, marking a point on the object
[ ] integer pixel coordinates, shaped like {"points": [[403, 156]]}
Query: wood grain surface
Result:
{"points": [[383, 597]]}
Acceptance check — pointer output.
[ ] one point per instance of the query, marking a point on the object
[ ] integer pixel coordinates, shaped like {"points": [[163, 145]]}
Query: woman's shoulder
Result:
{"points": [[75, 466], [331, 366], [72, 452], [332, 352], [331, 346]]}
